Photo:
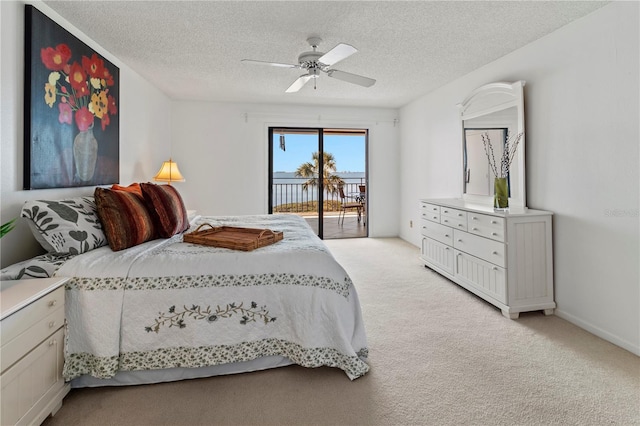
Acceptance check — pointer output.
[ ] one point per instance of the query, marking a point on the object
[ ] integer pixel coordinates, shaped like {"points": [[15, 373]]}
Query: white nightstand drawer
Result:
{"points": [[438, 232], [31, 314], [484, 248], [13, 350], [31, 384]]}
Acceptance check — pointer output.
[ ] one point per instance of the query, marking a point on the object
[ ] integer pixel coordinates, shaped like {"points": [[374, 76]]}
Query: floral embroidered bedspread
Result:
{"points": [[166, 303]]}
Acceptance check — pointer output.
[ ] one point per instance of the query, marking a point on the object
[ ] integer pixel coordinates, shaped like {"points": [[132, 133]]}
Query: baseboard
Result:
{"points": [[624, 344]]}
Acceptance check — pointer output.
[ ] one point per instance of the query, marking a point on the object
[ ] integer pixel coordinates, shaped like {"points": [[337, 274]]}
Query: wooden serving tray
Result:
{"points": [[245, 239]]}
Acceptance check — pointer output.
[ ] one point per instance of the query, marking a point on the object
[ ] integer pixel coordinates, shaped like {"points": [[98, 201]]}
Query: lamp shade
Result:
{"points": [[169, 172]]}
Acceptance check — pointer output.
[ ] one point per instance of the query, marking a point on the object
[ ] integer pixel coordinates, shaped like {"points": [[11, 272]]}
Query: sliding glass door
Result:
{"points": [[320, 174]]}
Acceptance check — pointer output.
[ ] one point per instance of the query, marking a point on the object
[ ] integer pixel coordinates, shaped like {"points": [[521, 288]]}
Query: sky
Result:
{"points": [[348, 152]]}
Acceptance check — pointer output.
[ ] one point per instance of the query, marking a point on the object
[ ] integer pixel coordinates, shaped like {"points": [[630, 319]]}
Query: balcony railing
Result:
{"points": [[292, 198]]}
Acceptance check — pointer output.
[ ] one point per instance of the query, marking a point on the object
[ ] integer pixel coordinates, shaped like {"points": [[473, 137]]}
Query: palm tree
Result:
{"points": [[310, 170]]}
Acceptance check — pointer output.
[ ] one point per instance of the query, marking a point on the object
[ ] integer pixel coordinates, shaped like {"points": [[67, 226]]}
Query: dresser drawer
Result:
{"points": [[430, 212], [486, 226], [454, 218], [438, 232], [484, 248]]}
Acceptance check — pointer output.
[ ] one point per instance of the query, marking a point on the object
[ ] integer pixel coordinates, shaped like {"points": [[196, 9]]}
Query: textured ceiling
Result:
{"points": [[193, 49]]}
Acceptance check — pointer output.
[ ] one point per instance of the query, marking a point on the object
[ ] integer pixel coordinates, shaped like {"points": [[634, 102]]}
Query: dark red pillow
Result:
{"points": [[125, 219], [166, 207]]}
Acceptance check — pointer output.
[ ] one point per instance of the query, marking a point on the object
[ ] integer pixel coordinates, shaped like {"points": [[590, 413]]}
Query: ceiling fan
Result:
{"points": [[314, 62]]}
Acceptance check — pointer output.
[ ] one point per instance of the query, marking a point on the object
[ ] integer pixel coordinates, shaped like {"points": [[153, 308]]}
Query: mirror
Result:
{"points": [[494, 112]]}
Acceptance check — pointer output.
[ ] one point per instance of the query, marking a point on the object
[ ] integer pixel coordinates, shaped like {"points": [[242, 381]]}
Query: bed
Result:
{"points": [[168, 310]]}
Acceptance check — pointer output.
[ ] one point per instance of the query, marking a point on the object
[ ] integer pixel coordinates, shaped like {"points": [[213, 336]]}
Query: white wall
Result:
{"points": [[222, 149], [144, 129], [582, 125]]}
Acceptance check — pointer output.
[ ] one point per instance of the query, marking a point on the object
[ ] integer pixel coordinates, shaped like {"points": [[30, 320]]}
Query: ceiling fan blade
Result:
{"points": [[297, 85], [338, 53], [351, 78], [273, 64]]}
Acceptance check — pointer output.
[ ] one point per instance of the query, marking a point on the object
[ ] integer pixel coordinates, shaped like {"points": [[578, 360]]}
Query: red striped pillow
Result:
{"points": [[166, 207], [125, 219]]}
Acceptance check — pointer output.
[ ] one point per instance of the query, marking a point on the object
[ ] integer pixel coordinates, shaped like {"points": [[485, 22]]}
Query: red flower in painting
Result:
{"points": [[78, 80], [55, 59], [84, 119], [80, 87], [107, 77], [111, 105], [94, 66], [104, 121]]}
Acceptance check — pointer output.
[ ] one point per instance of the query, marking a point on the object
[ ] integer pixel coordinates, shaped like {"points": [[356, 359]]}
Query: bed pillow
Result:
{"points": [[134, 187], [125, 219], [166, 207], [43, 266], [65, 226]]}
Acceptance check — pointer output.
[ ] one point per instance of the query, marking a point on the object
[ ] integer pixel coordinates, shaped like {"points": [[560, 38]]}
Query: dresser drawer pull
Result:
{"points": [[52, 303], [495, 252], [474, 218], [446, 235], [52, 324], [460, 224], [52, 342], [446, 211], [459, 240], [445, 221], [493, 222], [474, 229], [494, 268], [435, 209], [446, 248], [494, 234], [460, 214]]}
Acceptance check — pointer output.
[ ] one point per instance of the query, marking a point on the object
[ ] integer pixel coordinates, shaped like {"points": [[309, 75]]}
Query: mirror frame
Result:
{"points": [[492, 98]]}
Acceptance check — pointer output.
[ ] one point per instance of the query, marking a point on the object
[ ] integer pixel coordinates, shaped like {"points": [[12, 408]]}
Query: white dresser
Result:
{"points": [[505, 258], [32, 350]]}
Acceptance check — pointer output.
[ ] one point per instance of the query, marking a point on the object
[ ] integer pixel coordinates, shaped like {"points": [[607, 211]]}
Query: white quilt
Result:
{"points": [[166, 303]]}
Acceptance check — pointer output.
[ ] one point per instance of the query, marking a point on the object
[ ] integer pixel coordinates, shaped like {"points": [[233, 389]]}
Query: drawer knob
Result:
{"points": [[460, 224], [474, 218], [459, 240], [446, 211], [494, 234], [493, 222], [474, 229], [460, 214], [494, 268], [495, 252], [446, 235], [52, 303], [445, 221], [52, 342], [52, 324], [446, 248]]}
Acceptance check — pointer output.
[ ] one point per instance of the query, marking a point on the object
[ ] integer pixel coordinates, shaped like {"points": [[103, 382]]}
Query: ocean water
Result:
{"points": [[287, 188]]}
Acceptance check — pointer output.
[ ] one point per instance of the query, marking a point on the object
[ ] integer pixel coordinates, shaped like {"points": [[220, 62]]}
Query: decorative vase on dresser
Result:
{"points": [[504, 257], [32, 350]]}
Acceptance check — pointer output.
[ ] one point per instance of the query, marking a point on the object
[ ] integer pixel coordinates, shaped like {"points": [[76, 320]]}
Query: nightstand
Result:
{"points": [[32, 349]]}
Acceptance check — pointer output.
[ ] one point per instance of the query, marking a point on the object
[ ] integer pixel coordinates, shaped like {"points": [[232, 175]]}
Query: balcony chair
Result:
{"points": [[348, 205]]}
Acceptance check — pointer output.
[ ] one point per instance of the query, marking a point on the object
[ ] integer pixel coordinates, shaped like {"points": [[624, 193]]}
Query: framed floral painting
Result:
{"points": [[71, 135]]}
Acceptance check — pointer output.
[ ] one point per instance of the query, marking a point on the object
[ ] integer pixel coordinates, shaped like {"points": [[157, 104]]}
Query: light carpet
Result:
{"points": [[438, 355]]}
